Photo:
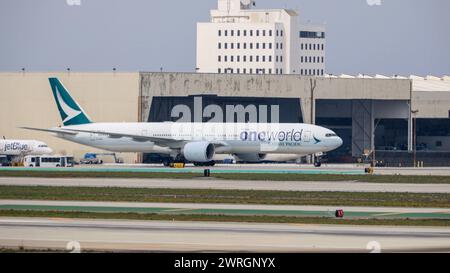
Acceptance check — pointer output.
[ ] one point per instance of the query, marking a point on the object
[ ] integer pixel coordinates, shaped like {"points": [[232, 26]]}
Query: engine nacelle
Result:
{"points": [[201, 151], [251, 158]]}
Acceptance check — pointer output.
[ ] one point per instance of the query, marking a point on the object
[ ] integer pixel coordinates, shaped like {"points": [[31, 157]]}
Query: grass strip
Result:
{"points": [[226, 218], [233, 176], [376, 199]]}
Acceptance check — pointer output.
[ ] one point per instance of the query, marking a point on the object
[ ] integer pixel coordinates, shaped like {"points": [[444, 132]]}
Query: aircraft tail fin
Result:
{"points": [[70, 111]]}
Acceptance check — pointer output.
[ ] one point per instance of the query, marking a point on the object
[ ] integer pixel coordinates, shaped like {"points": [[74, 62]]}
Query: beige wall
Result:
{"points": [[26, 100]]}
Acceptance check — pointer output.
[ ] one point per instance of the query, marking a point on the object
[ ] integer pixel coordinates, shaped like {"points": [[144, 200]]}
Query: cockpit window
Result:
{"points": [[330, 135]]}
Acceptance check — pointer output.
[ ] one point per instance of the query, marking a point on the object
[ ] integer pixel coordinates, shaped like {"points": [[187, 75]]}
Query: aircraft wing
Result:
{"points": [[56, 131], [164, 142]]}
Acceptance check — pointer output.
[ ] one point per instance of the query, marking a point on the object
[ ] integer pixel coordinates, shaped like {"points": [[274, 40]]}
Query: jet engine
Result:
{"points": [[199, 151]]}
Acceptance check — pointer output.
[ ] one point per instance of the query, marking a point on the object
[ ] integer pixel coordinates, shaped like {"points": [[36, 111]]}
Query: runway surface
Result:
{"points": [[211, 183], [226, 209], [124, 235]]}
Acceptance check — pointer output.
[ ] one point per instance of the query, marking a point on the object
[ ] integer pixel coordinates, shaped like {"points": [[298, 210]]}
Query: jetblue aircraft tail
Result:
{"points": [[71, 113]]}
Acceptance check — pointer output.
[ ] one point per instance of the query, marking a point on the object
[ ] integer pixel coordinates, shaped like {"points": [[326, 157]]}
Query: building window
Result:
{"points": [[219, 70], [314, 59], [245, 71], [238, 45], [301, 72], [322, 47], [244, 58], [281, 33], [251, 45], [301, 59], [281, 45], [314, 46], [251, 33], [219, 59], [277, 46], [257, 45], [238, 58], [245, 33], [263, 58], [225, 45], [270, 33], [270, 45], [251, 59], [232, 33], [220, 34], [276, 58], [245, 45], [310, 60], [257, 32], [322, 59], [257, 58], [281, 59], [270, 70], [225, 58], [219, 46], [312, 34], [264, 45], [264, 33], [231, 58], [301, 46], [270, 58], [281, 70], [226, 32], [278, 33], [232, 45], [238, 33], [238, 70], [251, 70]]}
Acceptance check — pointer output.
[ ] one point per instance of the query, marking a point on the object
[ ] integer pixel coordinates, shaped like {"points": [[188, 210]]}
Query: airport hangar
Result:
{"points": [[390, 113]]}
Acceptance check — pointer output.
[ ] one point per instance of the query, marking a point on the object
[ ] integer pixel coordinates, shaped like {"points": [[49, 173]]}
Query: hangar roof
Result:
{"points": [[428, 83]]}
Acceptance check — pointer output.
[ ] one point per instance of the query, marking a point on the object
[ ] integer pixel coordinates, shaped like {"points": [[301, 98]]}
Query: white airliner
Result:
{"points": [[20, 148], [193, 142]]}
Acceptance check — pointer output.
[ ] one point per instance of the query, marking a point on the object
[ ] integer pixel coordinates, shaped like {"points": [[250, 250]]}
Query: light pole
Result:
{"points": [[313, 84], [414, 112]]}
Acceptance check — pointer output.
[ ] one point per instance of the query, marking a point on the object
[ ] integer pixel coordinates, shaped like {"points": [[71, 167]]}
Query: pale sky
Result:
{"points": [[397, 37]]}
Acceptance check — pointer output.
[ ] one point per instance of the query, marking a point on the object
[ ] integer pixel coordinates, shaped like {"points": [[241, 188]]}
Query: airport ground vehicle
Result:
{"points": [[4, 161], [94, 158], [91, 159], [48, 161]]}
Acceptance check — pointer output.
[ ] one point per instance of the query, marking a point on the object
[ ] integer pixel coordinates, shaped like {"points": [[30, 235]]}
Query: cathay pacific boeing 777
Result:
{"points": [[194, 142]]}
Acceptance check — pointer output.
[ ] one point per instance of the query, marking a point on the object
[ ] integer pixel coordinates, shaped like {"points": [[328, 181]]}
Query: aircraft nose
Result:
{"points": [[339, 142]]}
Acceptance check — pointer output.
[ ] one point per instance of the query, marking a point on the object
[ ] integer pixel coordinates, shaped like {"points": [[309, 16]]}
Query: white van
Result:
{"points": [[48, 161]]}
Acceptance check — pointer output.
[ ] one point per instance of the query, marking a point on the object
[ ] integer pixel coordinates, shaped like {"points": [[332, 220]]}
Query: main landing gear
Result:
{"points": [[167, 162], [205, 164]]}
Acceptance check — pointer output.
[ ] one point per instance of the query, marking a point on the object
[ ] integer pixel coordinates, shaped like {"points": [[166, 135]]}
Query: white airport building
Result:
{"points": [[242, 40]]}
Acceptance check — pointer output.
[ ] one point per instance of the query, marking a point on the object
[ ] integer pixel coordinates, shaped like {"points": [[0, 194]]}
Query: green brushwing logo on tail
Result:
{"points": [[71, 113]]}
